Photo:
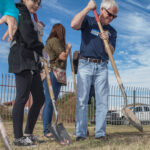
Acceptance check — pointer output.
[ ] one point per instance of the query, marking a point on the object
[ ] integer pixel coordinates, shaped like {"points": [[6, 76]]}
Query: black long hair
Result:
{"points": [[33, 0]]}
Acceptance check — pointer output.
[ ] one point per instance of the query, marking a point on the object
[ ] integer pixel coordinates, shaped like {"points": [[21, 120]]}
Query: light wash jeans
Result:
{"points": [[48, 107], [96, 74]]}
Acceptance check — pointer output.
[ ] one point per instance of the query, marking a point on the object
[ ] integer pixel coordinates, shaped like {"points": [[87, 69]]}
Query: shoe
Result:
{"points": [[23, 141], [79, 138], [87, 133], [102, 138], [35, 139]]}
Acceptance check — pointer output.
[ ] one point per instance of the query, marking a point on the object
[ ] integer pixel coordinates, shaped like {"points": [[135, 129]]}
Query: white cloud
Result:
{"points": [[148, 7], [57, 6], [133, 24], [133, 39], [4, 51], [135, 3], [138, 77], [54, 20]]}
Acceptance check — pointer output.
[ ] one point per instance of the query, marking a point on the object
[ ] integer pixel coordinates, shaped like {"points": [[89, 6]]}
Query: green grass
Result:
{"points": [[119, 138]]}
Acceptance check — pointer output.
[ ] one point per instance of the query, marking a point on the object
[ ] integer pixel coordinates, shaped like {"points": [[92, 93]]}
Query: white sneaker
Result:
{"points": [[23, 141]]}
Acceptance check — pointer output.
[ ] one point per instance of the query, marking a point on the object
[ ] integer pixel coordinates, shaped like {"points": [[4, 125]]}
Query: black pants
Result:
{"points": [[27, 82]]}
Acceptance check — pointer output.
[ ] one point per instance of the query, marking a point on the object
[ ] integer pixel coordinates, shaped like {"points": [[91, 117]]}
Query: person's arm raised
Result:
{"points": [[78, 19]]}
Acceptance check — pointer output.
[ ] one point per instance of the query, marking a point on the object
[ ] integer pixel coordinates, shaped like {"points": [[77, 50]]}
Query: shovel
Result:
{"points": [[73, 74], [129, 115], [58, 130], [3, 135]]}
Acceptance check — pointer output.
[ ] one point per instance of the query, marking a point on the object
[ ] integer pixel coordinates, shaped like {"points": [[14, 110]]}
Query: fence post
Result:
{"points": [[134, 100], [1, 89]]}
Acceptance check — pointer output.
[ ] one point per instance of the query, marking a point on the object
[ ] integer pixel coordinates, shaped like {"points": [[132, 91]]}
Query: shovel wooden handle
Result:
{"points": [[50, 91], [48, 79], [72, 68], [73, 74], [107, 48]]}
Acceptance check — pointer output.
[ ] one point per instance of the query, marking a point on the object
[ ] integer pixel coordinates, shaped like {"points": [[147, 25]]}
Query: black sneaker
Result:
{"points": [[23, 141], [104, 138], [79, 138], [87, 133]]}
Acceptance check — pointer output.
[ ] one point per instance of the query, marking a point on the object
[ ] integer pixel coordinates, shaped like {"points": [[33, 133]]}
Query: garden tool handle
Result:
{"points": [[107, 48], [48, 79], [73, 73]]}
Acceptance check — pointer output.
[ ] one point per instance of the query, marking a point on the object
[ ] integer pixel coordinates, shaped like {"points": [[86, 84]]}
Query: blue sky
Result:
{"points": [[133, 43]]}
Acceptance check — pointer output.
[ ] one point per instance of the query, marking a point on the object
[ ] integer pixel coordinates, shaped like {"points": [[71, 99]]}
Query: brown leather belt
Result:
{"points": [[92, 60]]}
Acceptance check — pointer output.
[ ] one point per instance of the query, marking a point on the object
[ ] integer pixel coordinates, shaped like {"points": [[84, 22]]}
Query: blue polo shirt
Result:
{"points": [[92, 45]]}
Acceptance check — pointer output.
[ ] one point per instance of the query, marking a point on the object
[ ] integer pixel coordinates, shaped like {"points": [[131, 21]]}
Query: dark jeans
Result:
{"points": [[27, 82]]}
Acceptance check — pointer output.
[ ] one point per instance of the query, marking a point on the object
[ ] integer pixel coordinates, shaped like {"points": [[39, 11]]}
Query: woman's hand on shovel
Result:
{"points": [[68, 49], [69, 46], [64, 55]]}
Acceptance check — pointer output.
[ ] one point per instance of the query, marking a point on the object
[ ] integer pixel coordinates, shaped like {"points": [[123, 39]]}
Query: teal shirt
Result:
{"points": [[7, 7]]}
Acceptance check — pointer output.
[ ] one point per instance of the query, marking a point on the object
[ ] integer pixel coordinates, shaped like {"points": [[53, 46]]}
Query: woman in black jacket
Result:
{"points": [[24, 63]]}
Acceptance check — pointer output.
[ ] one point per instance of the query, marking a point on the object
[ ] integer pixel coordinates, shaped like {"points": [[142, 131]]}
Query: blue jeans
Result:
{"points": [[48, 107], [96, 74]]}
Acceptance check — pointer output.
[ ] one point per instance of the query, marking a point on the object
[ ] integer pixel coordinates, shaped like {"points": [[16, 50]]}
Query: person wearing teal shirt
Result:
{"points": [[9, 14]]}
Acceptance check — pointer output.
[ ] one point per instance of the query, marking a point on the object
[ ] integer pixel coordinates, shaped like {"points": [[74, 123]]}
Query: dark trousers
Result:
{"points": [[27, 82]]}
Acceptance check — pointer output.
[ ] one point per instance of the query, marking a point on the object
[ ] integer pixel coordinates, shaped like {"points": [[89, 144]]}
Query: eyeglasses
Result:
{"points": [[110, 14], [36, 1]]}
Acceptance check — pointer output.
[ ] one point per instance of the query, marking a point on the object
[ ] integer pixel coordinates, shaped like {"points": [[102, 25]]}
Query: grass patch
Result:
{"points": [[119, 138]]}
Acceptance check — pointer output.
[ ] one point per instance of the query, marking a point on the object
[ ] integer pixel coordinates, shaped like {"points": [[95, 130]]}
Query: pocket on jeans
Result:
{"points": [[104, 65], [82, 63]]}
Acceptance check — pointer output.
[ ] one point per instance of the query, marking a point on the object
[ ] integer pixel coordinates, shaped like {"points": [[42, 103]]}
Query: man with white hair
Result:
{"points": [[92, 69]]}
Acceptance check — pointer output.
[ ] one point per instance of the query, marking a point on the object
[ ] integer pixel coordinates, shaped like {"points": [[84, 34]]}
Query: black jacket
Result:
{"points": [[25, 41]]}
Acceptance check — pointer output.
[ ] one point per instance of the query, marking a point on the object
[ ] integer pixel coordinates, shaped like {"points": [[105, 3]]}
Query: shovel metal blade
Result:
{"points": [[63, 133], [60, 134], [7, 144], [131, 117]]}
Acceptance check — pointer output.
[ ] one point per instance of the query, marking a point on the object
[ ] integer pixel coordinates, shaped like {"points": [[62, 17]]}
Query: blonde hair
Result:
{"points": [[108, 4]]}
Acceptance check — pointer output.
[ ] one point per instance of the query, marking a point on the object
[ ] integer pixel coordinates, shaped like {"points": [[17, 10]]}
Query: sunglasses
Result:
{"points": [[110, 14]]}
